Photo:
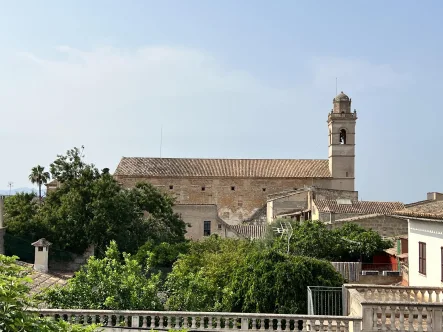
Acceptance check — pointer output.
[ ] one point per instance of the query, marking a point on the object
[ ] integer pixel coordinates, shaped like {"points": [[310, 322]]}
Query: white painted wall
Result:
{"points": [[270, 211], [431, 233]]}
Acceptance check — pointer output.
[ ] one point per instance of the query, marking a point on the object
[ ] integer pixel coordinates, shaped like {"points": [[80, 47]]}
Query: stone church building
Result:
{"points": [[234, 191]]}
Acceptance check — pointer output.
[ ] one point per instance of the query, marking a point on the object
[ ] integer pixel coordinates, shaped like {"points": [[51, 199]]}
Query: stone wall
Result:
{"points": [[289, 203], [2, 240], [322, 193], [196, 215], [236, 198], [326, 216], [302, 200], [379, 280], [74, 265], [384, 225]]}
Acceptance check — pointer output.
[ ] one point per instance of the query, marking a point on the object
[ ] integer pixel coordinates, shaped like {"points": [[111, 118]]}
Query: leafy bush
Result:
{"points": [[244, 276], [349, 242], [110, 283], [89, 207], [14, 301]]}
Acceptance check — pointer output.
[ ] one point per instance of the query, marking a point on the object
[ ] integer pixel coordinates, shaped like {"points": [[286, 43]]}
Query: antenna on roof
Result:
{"points": [[285, 229], [161, 139], [10, 185]]}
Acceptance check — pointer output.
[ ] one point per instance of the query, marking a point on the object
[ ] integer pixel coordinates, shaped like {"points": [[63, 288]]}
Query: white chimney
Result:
{"points": [[2, 225], [41, 255]]}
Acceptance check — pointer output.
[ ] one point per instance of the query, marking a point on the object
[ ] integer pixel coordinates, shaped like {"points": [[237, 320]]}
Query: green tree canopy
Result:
{"points": [[20, 216], [39, 176], [70, 166], [358, 242], [349, 242], [90, 208], [161, 257], [244, 276], [110, 283], [14, 301]]}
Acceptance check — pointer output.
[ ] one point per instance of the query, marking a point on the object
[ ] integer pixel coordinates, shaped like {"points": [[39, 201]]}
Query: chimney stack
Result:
{"points": [[41, 255], [2, 225], [435, 196]]}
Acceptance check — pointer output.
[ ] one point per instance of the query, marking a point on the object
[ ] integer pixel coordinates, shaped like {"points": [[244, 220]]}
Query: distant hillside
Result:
{"points": [[17, 190]]}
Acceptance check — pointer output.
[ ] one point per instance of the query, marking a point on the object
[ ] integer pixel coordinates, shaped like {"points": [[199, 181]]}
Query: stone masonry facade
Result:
{"points": [[384, 225], [236, 198]]}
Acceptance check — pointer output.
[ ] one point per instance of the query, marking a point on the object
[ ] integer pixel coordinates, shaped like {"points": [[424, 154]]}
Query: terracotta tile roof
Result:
{"points": [[41, 281], [404, 213], [426, 201], [358, 207], [361, 217], [257, 168], [250, 231], [432, 207]]}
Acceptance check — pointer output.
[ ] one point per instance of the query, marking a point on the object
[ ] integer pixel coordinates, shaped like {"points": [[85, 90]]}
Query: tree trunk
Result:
{"points": [[40, 191]]}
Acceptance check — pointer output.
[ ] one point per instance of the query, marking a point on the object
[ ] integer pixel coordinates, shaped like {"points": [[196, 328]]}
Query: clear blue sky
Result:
{"points": [[241, 79]]}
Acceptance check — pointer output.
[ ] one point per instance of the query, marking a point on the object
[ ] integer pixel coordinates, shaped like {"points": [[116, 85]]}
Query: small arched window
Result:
{"points": [[342, 136]]}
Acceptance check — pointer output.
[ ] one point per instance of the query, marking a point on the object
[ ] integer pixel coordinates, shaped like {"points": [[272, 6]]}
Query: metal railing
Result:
{"points": [[325, 300], [379, 267]]}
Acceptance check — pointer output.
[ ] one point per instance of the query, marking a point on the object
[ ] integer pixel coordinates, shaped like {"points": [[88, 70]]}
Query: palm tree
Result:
{"points": [[39, 176]]}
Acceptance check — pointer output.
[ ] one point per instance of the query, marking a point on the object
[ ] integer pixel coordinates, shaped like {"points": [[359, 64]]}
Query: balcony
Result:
{"points": [[395, 308], [131, 321], [366, 308]]}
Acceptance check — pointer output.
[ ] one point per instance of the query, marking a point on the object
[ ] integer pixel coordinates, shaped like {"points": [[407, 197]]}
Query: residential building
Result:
{"points": [[425, 242]]}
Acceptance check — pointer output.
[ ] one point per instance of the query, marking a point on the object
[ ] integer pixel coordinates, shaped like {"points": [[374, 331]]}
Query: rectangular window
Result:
{"points": [[422, 258], [206, 228], [219, 226]]}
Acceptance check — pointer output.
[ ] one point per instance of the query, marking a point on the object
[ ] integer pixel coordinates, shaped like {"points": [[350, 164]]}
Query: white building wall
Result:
{"points": [[431, 233]]}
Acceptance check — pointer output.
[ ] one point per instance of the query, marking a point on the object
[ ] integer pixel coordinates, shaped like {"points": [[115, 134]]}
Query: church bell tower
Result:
{"points": [[341, 124]]}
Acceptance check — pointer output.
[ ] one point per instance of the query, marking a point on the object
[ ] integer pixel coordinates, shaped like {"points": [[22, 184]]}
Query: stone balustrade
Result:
{"points": [[395, 308], [401, 316], [399, 293], [125, 321]]}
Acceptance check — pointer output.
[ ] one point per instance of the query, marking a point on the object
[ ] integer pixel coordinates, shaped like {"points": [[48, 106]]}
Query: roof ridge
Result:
{"points": [[334, 200], [220, 158]]}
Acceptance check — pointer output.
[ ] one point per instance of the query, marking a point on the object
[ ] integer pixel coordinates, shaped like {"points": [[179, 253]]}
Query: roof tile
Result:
{"points": [[188, 167], [41, 281], [426, 209], [358, 207]]}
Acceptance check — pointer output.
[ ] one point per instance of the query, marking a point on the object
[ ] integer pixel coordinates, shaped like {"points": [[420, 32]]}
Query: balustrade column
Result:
{"points": [[356, 326], [402, 318], [244, 324], [368, 318], [135, 321], [436, 314]]}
